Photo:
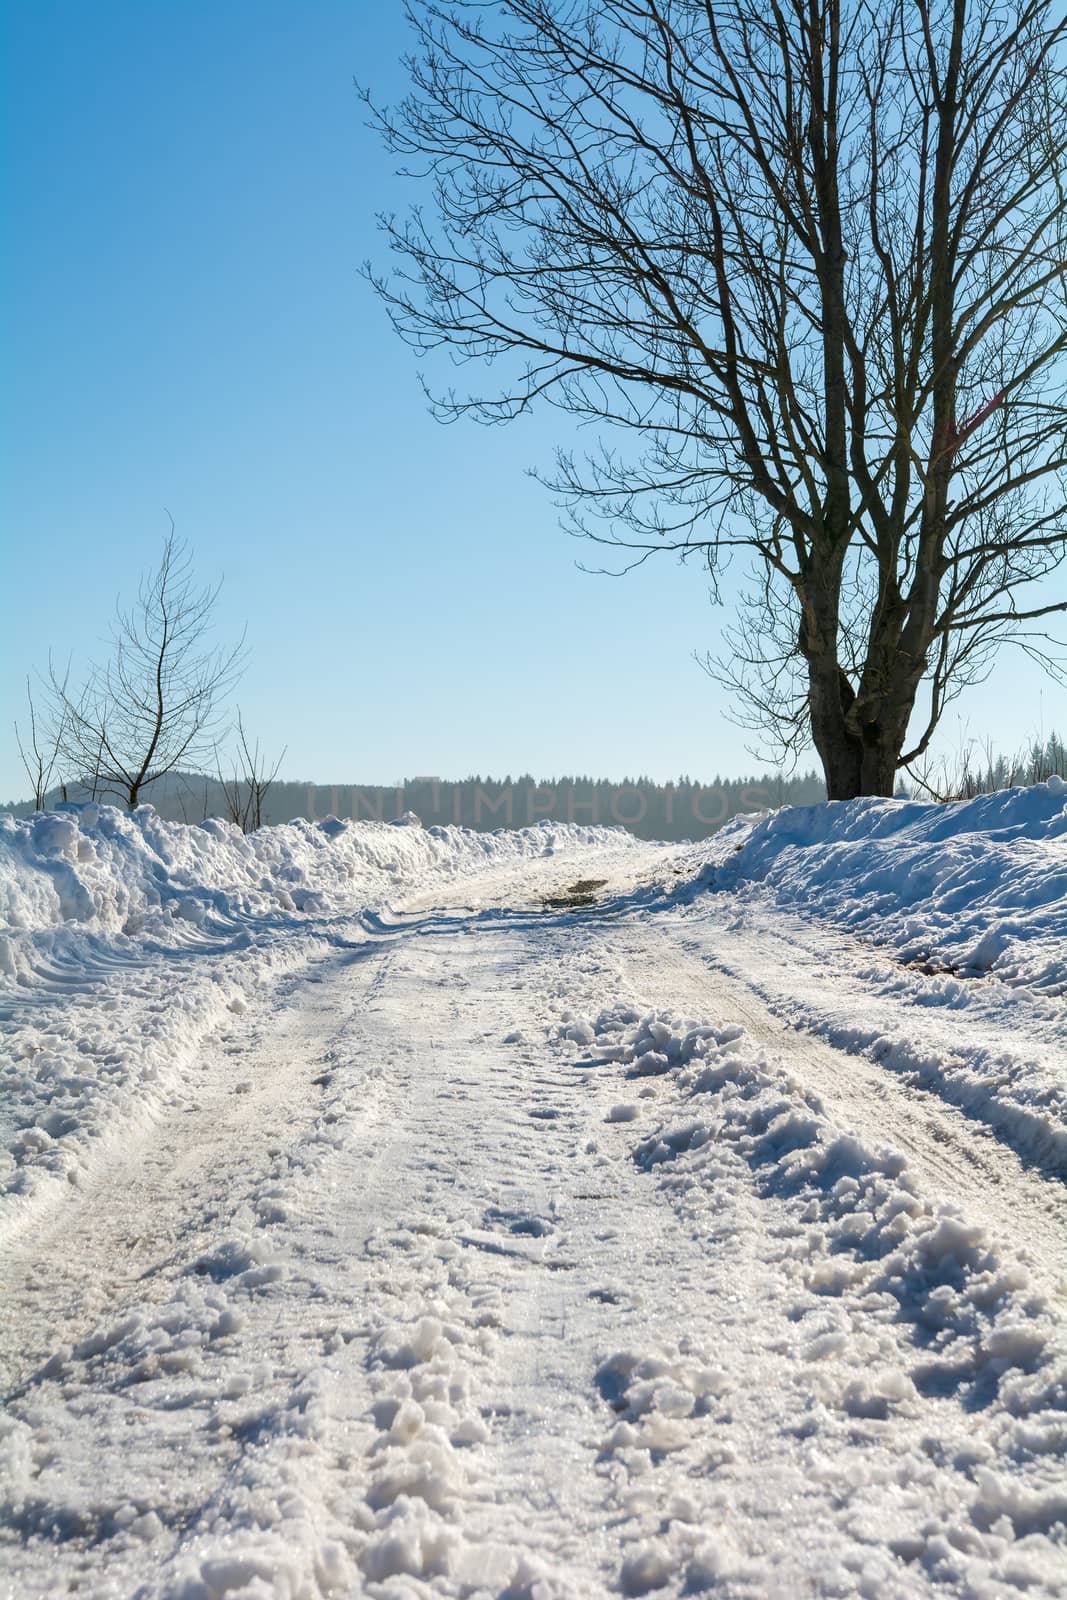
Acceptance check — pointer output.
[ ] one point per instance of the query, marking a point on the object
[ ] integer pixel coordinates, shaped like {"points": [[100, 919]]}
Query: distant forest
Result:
{"points": [[685, 809]]}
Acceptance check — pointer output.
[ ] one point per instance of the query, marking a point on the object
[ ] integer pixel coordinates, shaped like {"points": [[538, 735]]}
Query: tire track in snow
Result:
{"points": [[954, 1157], [509, 1261], [136, 1225]]}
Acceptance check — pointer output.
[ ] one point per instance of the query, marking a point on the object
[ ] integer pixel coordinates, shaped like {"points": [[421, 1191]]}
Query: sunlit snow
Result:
{"points": [[376, 1223]]}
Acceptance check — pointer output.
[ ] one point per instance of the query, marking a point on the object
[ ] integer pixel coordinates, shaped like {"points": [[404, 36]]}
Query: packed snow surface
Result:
{"points": [[378, 1224]]}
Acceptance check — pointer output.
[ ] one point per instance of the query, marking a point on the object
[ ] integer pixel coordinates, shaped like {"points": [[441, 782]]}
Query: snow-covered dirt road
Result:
{"points": [[483, 1249]]}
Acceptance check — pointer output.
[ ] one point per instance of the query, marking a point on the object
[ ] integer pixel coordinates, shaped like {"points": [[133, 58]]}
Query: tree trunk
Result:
{"points": [[881, 754], [841, 753], [830, 694], [860, 742]]}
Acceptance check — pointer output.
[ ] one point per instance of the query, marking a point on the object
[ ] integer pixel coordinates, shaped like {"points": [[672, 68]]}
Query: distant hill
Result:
{"points": [[686, 809]]}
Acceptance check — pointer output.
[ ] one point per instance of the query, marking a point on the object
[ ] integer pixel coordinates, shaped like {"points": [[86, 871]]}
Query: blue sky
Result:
{"points": [[189, 192]]}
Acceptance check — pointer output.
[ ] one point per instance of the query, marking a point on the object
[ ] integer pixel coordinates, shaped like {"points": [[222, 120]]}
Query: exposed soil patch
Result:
{"points": [[932, 968], [582, 893]]}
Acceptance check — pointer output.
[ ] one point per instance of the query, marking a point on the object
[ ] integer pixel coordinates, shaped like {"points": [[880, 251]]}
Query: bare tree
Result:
{"points": [[813, 255], [154, 704], [41, 750], [246, 791]]}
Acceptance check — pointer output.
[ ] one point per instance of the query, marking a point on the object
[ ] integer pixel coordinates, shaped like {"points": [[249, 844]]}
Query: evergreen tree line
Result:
{"points": [[683, 809], [979, 770]]}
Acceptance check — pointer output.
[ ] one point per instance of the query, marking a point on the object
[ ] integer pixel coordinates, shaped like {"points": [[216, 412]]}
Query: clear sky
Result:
{"points": [[188, 194]]}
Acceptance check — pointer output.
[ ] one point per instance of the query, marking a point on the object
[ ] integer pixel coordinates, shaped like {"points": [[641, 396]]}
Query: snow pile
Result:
{"points": [[135, 876], [974, 888]]}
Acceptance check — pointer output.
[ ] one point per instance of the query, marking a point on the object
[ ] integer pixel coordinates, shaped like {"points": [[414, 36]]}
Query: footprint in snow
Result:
{"points": [[525, 1222], [609, 1297]]}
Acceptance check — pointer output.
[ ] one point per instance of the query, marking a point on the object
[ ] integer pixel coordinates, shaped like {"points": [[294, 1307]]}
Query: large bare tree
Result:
{"points": [[813, 255], [153, 704]]}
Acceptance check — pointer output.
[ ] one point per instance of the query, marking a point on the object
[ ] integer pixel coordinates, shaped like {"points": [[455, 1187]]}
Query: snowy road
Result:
{"points": [[499, 1251]]}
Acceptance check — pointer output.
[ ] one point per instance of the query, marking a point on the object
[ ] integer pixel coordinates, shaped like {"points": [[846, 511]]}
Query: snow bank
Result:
{"points": [[974, 888], [125, 940], [133, 875]]}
